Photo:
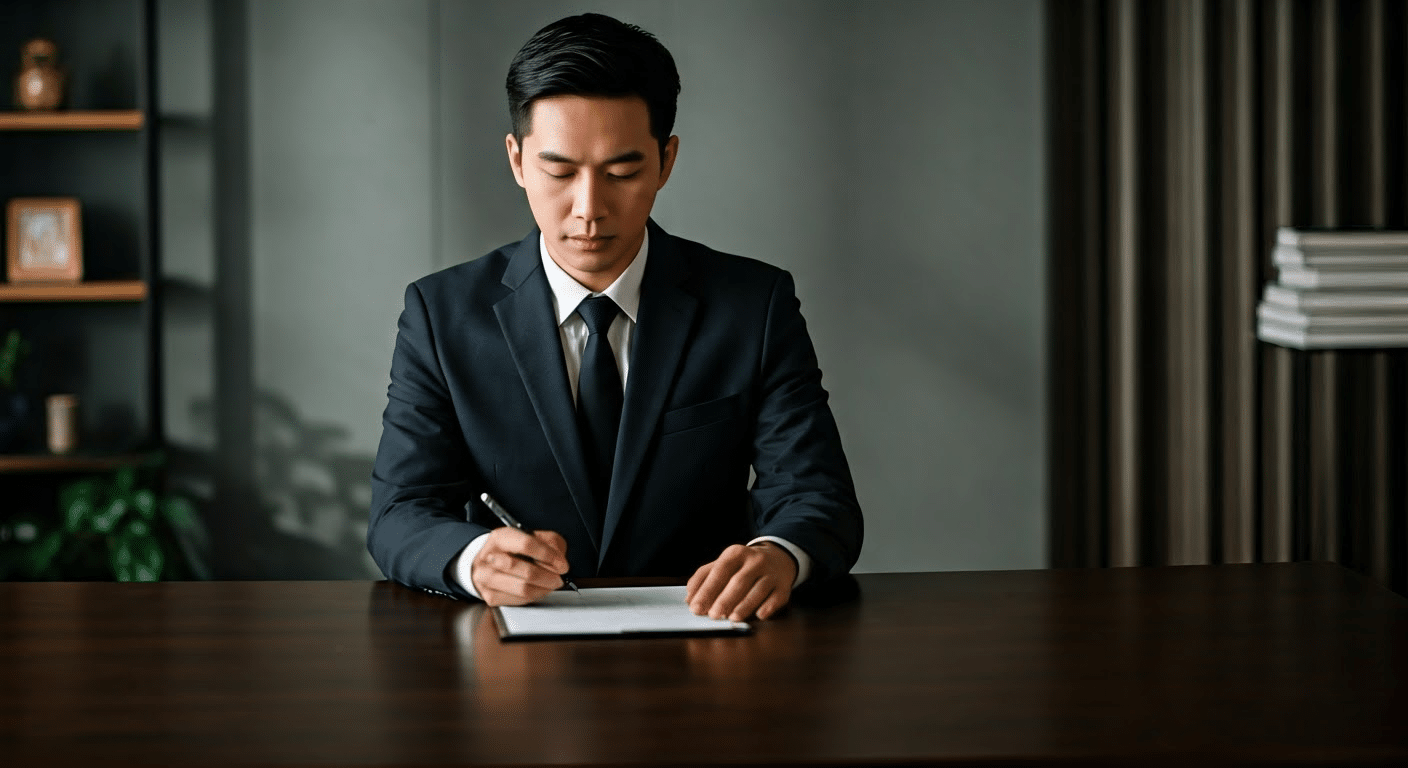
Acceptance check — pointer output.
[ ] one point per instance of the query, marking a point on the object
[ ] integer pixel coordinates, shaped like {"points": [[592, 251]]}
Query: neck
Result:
{"points": [[596, 282]]}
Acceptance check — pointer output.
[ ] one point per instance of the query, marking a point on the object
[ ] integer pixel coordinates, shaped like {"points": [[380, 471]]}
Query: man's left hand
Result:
{"points": [[742, 582]]}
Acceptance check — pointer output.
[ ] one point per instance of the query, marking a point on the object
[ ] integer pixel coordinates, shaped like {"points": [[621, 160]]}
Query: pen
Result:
{"points": [[512, 522]]}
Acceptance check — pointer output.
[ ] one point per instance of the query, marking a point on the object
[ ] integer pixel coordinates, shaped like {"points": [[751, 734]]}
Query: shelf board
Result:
{"points": [[60, 120], [45, 462], [97, 290]]}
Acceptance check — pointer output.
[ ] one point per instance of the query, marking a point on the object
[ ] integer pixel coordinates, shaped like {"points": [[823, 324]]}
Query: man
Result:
{"points": [[609, 384]]}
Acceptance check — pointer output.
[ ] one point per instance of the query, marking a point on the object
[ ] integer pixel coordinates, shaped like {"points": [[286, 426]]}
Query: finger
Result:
{"points": [[761, 590], [735, 590], [544, 553], [557, 561], [515, 566], [552, 539], [516, 542], [700, 573], [511, 577], [512, 596], [722, 571], [495, 598], [506, 539], [775, 602], [532, 572], [496, 590]]}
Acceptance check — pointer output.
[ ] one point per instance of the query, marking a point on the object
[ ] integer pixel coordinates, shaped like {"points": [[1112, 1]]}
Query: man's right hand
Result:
{"points": [[516, 568]]}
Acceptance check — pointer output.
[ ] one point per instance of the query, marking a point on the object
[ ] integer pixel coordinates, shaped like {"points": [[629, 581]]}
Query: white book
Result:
{"points": [[1302, 277], [1303, 338], [1311, 301], [1355, 239], [1291, 256], [1388, 322]]}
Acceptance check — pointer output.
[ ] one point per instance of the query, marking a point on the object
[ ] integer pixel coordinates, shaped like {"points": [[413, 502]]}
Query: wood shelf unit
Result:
{"points": [[45, 462], [98, 290], [100, 338], [90, 120]]}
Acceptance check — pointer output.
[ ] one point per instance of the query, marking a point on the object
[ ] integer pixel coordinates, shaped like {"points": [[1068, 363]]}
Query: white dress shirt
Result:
{"points": [[567, 293]]}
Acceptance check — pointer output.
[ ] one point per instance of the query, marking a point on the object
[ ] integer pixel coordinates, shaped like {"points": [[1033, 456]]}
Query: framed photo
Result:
{"points": [[45, 240]]}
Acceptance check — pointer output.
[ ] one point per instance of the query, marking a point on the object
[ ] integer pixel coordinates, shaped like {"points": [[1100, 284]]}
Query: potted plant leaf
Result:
{"points": [[113, 526], [14, 406]]}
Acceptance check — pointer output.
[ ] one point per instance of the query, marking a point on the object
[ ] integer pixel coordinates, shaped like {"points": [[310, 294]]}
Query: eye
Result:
{"points": [[567, 175], [624, 176]]}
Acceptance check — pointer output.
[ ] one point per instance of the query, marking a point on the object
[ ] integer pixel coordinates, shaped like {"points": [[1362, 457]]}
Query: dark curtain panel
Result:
{"points": [[1183, 133]]}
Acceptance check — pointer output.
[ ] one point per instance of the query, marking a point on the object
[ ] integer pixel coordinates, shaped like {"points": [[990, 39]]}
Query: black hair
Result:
{"points": [[594, 55]]}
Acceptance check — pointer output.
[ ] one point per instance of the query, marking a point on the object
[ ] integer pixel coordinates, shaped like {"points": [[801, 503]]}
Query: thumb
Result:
{"points": [[552, 539], [555, 542]]}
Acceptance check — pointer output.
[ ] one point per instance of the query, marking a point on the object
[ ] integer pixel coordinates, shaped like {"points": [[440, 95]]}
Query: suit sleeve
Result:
{"points": [[803, 492], [423, 475]]}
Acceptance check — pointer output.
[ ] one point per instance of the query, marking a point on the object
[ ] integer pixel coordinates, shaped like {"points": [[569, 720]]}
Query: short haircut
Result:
{"points": [[594, 55]]}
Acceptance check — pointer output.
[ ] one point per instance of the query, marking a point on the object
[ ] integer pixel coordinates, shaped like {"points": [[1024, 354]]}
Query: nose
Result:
{"points": [[589, 198]]}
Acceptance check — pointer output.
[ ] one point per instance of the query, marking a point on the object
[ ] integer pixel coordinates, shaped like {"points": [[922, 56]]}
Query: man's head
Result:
{"points": [[593, 103], [594, 55]]}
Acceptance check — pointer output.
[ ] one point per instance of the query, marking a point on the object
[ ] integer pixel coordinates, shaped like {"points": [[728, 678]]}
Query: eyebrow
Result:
{"points": [[633, 156]]}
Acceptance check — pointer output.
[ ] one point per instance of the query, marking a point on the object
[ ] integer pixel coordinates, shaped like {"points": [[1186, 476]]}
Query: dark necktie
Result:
{"points": [[599, 394]]}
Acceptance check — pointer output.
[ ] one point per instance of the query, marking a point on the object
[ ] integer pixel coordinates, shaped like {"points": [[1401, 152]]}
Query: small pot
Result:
{"points": [[40, 83]]}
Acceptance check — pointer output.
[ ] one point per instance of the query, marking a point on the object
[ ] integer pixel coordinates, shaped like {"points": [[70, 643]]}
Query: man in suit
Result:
{"points": [[608, 383]]}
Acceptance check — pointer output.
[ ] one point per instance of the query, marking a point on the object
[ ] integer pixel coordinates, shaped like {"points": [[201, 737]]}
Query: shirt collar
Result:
{"points": [[567, 293]]}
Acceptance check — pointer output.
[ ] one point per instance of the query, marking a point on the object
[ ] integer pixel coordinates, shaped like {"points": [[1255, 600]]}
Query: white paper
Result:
{"points": [[610, 611]]}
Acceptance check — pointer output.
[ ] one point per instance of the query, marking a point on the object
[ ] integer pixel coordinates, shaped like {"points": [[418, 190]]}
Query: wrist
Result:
{"points": [[465, 564]]}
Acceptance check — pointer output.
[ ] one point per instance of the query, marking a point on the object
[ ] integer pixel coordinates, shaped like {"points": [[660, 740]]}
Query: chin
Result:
{"points": [[592, 259], [594, 266]]}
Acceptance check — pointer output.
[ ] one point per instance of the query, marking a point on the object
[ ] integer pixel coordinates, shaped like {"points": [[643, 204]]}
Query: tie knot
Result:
{"points": [[598, 312]]}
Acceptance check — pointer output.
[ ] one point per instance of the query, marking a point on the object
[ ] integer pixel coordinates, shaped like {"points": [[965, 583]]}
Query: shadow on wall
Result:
{"points": [[311, 499]]}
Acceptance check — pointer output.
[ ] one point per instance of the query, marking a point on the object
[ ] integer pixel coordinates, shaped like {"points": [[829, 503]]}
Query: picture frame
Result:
{"points": [[45, 240]]}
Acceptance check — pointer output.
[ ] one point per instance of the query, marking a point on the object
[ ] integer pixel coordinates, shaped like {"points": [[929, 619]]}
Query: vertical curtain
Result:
{"points": [[1182, 134]]}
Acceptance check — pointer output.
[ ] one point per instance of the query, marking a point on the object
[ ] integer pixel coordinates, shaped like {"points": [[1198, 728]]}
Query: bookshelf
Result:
{"points": [[99, 338]]}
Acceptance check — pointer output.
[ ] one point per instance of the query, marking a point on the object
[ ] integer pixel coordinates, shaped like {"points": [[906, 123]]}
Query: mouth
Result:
{"points": [[591, 243]]}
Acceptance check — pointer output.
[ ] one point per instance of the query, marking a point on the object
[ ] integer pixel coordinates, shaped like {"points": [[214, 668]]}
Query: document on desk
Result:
{"points": [[609, 611]]}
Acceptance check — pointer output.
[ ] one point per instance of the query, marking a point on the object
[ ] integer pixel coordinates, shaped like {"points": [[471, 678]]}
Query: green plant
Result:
{"points": [[110, 527], [12, 352]]}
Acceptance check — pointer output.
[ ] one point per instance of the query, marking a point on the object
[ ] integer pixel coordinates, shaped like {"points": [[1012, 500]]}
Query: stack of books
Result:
{"points": [[1337, 288]]}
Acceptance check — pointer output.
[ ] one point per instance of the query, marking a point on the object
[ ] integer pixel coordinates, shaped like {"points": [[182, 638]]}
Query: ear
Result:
{"points": [[515, 158], [672, 150]]}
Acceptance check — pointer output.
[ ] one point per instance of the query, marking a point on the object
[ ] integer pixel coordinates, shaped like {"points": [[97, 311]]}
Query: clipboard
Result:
{"points": [[610, 611]]}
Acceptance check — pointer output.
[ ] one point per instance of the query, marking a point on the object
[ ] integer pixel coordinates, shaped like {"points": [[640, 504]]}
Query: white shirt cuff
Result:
{"points": [[465, 561], [804, 562]]}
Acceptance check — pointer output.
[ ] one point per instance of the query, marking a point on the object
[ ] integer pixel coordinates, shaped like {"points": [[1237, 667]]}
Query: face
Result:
{"points": [[591, 170]]}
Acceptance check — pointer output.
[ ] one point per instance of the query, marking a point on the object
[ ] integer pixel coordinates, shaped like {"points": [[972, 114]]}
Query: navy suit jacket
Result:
{"points": [[723, 376]]}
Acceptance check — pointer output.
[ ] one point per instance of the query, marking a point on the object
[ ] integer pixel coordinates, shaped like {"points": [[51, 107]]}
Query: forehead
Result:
{"points": [[589, 124]]}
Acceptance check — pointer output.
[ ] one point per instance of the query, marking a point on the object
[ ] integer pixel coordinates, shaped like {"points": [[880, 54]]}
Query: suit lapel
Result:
{"points": [[663, 323], [527, 320]]}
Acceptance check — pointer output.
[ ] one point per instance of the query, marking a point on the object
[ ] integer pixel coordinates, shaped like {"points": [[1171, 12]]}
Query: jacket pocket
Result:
{"points": [[701, 415]]}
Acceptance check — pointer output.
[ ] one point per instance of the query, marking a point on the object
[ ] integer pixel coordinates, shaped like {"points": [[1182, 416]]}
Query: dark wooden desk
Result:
{"points": [[1257, 664]]}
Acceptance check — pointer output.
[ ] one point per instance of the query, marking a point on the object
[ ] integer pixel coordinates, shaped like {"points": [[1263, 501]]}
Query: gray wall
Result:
{"points": [[889, 154]]}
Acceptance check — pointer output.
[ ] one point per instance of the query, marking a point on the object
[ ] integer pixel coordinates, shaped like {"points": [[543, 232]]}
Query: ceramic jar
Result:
{"points": [[40, 83], [63, 423]]}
